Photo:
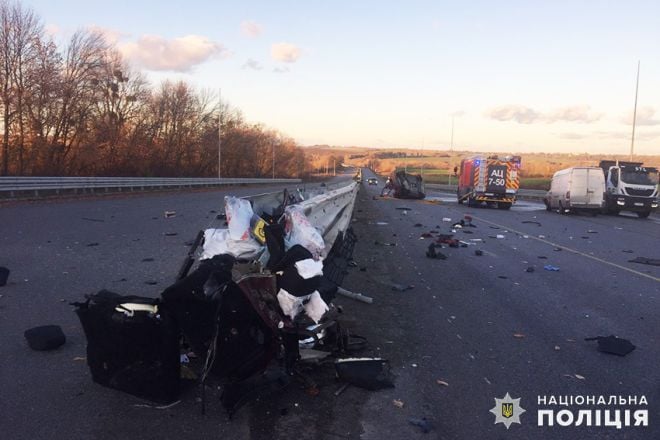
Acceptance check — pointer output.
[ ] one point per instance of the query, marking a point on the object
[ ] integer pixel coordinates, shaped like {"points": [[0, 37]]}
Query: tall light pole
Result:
{"points": [[632, 141], [273, 159], [220, 134]]}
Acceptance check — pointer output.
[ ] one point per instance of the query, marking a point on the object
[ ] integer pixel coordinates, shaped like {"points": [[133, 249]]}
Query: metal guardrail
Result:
{"points": [[13, 187], [534, 194]]}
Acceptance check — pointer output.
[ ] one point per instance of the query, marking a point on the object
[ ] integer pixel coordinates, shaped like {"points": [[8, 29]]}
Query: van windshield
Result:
{"points": [[640, 176]]}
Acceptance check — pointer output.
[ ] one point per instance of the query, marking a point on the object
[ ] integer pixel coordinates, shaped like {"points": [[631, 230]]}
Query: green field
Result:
{"points": [[442, 176]]}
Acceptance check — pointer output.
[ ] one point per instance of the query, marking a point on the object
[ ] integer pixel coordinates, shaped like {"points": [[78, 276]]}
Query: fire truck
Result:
{"points": [[489, 179]]}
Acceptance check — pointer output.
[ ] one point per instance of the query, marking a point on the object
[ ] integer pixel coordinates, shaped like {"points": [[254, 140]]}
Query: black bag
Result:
{"points": [[132, 345]]}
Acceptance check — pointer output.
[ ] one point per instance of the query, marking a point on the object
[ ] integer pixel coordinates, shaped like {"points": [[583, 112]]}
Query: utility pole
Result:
{"points": [[334, 167], [273, 159], [632, 142], [220, 134]]}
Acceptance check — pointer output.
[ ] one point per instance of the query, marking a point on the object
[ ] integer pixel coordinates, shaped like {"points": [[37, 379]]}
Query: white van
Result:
{"points": [[577, 188]]}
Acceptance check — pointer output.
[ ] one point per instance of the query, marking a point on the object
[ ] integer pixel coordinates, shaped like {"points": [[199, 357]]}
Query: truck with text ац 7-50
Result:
{"points": [[489, 179], [630, 187]]}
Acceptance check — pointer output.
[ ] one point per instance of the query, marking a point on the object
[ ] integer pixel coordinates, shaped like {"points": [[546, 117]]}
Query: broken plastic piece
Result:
{"points": [[4, 275], [432, 253], [378, 243], [357, 296], [478, 252], [644, 260], [45, 337], [551, 268], [402, 288], [239, 213], [530, 269], [368, 373], [309, 268], [300, 231], [170, 214], [219, 241], [613, 345], [422, 423]]}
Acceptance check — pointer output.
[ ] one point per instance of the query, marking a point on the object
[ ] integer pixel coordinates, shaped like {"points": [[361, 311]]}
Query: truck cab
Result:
{"points": [[630, 186]]}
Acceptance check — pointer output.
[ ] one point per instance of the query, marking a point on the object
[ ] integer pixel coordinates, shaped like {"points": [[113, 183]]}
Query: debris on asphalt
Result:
{"points": [[557, 249], [422, 423], [541, 236], [578, 376], [446, 219], [551, 268], [151, 282], [403, 208], [431, 252], [147, 260], [613, 345], [357, 296], [341, 389], [518, 335], [532, 222], [530, 269], [89, 219], [591, 231], [542, 257], [170, 214], [352, 263], [398, 403], [379, 243], [45, 337], [644, 260], [499, 236], [382, 223], [4, 275], [628, 251], [442, 382], [494, 227], [418, 225], [426, 235], [503, 277], [92, 244], [478, 252], [401, 287], [368, 373], [171, 234]]}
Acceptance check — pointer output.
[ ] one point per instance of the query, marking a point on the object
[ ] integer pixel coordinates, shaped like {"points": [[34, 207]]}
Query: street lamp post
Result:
{"points": [[220, 134]]}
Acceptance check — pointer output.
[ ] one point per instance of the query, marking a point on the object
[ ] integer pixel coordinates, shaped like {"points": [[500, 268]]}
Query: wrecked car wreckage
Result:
{"points": [[250, 303]]}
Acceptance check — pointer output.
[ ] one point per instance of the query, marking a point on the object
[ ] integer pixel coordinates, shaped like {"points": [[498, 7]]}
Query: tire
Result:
{"points": [[547, 205], [560, 208], [503, 205], [459, 198], [643, 214]]}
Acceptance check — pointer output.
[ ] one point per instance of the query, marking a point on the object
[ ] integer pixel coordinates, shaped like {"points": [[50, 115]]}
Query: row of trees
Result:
{"points": [[83, 111]]}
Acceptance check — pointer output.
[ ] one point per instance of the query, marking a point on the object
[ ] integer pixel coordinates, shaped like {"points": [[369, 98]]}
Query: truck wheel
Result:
{"points": [[613, 212], [547, 205], [503, 205], [643, 214], [560, 208], [459, 198]]}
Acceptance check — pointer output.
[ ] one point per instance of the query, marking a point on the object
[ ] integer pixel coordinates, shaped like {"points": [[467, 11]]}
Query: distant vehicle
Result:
{"points": [[630, 187], [372, 181], [489, 179], [576, 189], [405, 186], [358, 176]]}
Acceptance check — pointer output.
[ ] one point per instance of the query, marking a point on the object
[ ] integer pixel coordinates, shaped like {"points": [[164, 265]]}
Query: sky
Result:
{"points": [[518, 76]]}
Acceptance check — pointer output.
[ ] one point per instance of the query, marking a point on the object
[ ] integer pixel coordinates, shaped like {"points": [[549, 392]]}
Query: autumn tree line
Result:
{"points": [[81, 110]]}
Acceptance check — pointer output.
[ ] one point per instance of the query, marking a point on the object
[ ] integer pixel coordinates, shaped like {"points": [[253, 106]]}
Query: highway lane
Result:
{"points": [[487, 327], [456, 325]]}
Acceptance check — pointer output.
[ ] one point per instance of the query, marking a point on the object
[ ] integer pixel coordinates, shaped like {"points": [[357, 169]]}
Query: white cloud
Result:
{"points": [[644, 117], [285, 52], [252, 64], [518, 113], [111, 36], [577, 113], [526, 115], [251, 29], [181, 54]]}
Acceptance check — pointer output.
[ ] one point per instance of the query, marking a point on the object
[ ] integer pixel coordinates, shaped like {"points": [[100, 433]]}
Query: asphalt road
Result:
{"points": [[480, 324]]}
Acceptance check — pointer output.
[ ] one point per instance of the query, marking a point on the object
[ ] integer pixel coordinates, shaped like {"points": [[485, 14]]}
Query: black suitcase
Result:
{"points": [[132, 345]]}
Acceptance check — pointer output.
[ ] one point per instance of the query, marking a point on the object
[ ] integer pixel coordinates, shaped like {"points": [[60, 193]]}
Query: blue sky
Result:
{"points": [[516, 76]]}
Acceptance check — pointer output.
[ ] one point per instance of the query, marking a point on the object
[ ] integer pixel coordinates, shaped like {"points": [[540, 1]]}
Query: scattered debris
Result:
{"points": [[98, 220], [368, 373], [151, 282], [446, 219], [403, 208], [499, 236], [382, 223], [541, 236], [494, 227], [442, 382], [418, 225], [147, 260], [92, 244], [378, 243], [613, 345], [144, 405], [171, 234], [4, 275], [503, 277], [45, 337], [644, 260], [433, 253], [530, 269], [578, 376], [542, 257], [422, 423], [79, 358], [341, 389], [352, 263], [402, 288], [557, 348], [398, 403], [628, 251], [533, 222], [551, 268], [478, 252], [590, 231], [170, 214], [518, 335], [357, 296], [557, 249]]}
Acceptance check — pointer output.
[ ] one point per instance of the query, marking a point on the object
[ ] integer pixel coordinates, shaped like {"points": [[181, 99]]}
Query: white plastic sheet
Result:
{"points": [[300, 231], [219, 241], [313, 305], [238, 212], [309, 268]]}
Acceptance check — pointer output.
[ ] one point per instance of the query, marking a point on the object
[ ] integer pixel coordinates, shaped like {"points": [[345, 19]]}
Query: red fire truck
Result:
{"points": [[489, 179]]}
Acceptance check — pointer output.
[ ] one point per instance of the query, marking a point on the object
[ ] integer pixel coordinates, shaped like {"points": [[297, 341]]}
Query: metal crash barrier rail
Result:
{"points": [[12, 187]]}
